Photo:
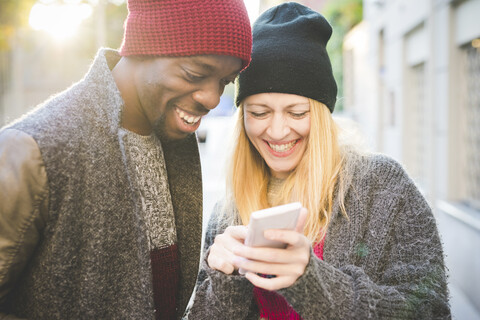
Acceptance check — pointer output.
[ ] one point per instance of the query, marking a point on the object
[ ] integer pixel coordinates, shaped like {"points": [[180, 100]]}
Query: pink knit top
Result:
{"points": [[272, 305]]}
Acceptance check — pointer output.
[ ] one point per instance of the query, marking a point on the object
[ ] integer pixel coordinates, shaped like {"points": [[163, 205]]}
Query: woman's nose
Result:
{"points": [[278, 128]]}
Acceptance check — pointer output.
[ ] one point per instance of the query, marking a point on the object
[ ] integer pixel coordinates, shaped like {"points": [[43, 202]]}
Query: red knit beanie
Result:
{"points": [[187, 28]]}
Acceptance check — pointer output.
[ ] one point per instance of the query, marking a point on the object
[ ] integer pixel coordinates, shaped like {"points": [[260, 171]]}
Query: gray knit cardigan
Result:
{"points": [[93, 261], [384, 262]]}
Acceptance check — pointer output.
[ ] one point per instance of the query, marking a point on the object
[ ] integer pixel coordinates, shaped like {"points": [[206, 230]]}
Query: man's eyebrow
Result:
{"points": [[203, 64], [210, 67]]}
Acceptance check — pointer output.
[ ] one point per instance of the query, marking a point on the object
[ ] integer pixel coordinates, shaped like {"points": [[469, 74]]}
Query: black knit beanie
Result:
{"points": [[289, 56]]}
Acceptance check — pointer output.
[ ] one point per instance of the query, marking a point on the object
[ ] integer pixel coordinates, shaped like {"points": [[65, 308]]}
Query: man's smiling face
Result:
{"points": [[173, 93]]}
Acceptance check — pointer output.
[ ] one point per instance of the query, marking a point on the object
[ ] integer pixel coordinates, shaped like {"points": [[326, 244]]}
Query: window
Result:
{"points": [[417, 125], [471, 124]]}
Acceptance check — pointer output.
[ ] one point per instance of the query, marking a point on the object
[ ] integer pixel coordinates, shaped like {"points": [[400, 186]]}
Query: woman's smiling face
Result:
{"points": [[278, 125]]}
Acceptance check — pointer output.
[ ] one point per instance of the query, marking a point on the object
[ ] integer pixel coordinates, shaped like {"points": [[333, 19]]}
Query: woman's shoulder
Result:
{"points": [[383, 181], [376, 169], [384, 165]]}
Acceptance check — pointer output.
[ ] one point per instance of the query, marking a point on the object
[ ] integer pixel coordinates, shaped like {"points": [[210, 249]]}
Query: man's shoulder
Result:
{"points": [[78, 105], [48, 114], [12, 140]]}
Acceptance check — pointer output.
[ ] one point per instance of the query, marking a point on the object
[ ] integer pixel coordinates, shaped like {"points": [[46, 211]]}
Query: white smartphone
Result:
{"points": [[279, 217]]}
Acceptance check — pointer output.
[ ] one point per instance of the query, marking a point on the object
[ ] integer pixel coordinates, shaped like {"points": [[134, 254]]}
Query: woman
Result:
{"points": [[368, 246]]}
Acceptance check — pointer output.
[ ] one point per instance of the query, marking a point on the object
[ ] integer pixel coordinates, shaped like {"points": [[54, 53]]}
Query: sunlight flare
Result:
{"points": [[60, 21]]}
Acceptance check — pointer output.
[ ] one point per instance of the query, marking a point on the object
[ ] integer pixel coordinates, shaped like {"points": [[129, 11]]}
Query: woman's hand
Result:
{"points": [[221, 256], [286, 264]]}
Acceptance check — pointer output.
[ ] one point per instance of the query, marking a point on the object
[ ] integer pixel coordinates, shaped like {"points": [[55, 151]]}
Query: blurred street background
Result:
{"points": [[409, 80]]}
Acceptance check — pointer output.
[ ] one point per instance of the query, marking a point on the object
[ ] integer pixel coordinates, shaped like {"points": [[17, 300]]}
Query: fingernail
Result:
{"points": [[238, 260]]}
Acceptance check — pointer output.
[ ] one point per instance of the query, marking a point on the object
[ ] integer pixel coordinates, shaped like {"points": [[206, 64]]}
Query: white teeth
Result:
{"points": [[282, 147], [187, 118]]}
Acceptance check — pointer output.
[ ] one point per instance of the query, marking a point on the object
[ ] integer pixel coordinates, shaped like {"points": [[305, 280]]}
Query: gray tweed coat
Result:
{"points": [[92, 259]]}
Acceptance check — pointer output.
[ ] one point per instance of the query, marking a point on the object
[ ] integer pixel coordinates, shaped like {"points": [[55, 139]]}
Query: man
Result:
{"points": [[100, 187]]}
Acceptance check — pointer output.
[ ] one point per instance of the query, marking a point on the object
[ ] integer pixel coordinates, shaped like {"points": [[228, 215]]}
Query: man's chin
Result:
{"points": [[167, 136]]}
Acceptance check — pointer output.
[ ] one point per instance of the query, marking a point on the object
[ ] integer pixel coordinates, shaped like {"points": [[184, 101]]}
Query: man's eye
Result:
{"points": [[194, 77]]}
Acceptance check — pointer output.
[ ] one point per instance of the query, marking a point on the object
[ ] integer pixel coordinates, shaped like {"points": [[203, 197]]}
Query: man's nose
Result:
{"points": [[208, 95]]}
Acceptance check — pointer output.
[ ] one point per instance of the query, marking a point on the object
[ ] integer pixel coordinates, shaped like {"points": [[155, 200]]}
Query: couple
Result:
{"points": [[104, 217]]}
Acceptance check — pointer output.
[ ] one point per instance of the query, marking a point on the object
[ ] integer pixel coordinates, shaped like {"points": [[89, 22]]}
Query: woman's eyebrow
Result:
{"points": [[260, 104], [256, 104], [301, 104]]}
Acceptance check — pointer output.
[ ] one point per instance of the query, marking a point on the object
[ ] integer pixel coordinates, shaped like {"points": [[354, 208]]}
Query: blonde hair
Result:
{"points": [[313, 182]]}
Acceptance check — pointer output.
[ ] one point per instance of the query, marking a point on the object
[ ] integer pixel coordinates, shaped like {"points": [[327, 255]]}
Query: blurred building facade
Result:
{"points": [[412, 82], [35, 65]]}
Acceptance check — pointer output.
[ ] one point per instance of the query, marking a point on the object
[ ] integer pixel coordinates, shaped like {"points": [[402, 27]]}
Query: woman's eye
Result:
{"points": [[298, 115], [258, 114]]}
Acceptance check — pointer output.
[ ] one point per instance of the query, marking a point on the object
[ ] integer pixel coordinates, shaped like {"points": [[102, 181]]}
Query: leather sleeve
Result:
{"points": [[23, 204]]}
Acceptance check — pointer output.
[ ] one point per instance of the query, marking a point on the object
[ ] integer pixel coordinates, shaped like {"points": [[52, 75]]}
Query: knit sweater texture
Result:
{"points": [[147, 166], [385, 261], [93, 259]]}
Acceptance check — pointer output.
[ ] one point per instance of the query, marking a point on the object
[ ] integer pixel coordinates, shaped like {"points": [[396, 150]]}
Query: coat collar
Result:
{"points": [[101, 76]]}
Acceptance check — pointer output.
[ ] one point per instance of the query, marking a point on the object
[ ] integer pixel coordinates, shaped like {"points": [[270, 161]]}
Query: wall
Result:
{"points": [[412, 84]]}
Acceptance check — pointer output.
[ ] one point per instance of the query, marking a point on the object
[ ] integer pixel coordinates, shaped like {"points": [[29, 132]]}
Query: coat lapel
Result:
{"points": [[185, 180]]}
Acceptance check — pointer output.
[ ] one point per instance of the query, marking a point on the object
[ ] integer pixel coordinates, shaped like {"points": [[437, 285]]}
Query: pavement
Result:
{"points": [[461, 307]]}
